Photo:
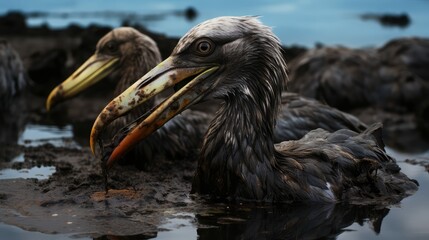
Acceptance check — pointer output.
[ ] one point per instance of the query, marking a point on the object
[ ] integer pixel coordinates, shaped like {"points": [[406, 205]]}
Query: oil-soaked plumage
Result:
{"points": [[298, 115], [410, 53], [404, 74], [239, 61], [13, 77], [339, 76], [391, 78], [13, 84], [388, 84]]}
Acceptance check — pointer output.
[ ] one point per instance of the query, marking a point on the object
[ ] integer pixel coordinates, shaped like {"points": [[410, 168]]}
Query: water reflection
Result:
{"points": [[325, 221], [19, 158], [314, 221], [179, 226], [12, 232], [42, 172], [36, 135], [12, 164], [176, 226]]}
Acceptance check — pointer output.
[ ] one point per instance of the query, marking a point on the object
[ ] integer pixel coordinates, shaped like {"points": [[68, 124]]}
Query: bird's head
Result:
{"points": [[219, 58], [119, 47]]}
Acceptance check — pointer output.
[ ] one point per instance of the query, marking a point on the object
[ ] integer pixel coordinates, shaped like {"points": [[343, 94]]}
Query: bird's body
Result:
{"points": [[242, 163], [13, 77], [13, 89], [391, 78], [239, 61], [298, 115]]}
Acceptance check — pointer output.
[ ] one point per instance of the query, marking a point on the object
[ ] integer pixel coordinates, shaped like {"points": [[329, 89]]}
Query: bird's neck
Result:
{"points": [[238, 149], [131, 72], [238, 155]]}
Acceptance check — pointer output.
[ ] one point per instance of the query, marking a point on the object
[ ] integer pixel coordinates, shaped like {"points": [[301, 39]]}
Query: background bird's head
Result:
{"points": [[122, 48]]}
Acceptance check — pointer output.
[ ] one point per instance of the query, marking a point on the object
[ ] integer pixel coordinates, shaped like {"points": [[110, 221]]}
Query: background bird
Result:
{"points": [[13, 77], [13, 82], [390, 78], [132, 54], [239, 61], [387, 84]]}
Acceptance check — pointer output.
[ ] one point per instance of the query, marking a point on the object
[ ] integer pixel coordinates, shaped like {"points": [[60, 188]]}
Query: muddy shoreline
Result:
{"points": [[73, 200]]}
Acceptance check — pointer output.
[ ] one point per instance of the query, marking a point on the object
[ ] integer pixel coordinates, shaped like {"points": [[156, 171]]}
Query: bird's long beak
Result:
{"points": [[165, 75], [93, 70]]}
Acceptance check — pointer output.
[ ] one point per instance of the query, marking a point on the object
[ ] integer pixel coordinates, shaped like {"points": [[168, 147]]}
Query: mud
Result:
{"points": [[73, 199]]}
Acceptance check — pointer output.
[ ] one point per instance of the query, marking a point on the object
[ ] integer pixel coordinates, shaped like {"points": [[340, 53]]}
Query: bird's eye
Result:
{"points": [[204, 47], [112, 46]]}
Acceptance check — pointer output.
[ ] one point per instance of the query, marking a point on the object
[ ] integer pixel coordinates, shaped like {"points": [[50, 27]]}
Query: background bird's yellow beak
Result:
{"points": [[93, 70]]}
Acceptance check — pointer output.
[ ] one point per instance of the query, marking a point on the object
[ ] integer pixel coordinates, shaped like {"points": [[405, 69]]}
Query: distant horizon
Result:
{"points": [[298, 22]]}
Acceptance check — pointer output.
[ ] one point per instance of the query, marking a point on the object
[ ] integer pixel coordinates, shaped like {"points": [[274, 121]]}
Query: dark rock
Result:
{"points": [[389, 20], [190, 13], [13, 22]]}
